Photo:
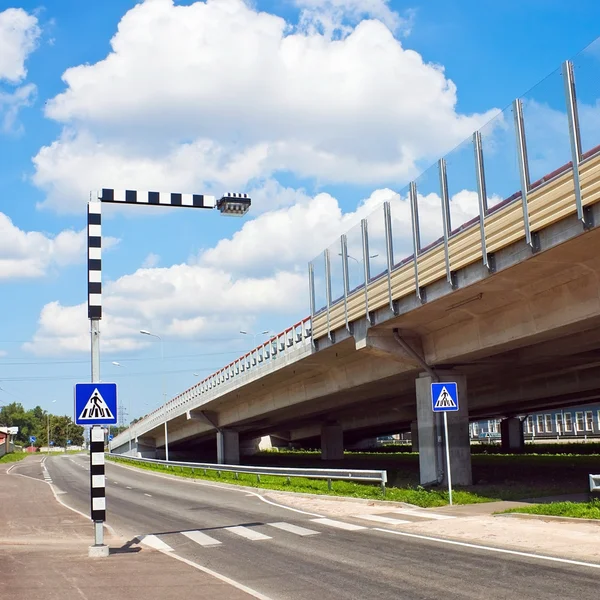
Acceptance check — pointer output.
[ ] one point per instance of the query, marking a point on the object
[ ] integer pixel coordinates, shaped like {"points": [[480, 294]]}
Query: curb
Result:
{"points": [[548, 518]]}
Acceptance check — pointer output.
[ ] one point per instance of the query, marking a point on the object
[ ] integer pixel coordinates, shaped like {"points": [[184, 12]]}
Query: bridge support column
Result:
{"points": [[513, 439], [144, 447], [332, 442], [431, 434], [228, 447], [414, 436]]}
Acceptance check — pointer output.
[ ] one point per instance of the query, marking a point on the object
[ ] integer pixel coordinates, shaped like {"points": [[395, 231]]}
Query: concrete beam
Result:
{"points": [[206, 416], [381, 343]]}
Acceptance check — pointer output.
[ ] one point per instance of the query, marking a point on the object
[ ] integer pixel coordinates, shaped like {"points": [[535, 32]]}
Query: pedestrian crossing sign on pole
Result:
{"points": [[444, 397], [96, 403]]}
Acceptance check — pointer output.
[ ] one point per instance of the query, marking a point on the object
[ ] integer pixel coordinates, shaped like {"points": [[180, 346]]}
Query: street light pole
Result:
{"points": [[164, 391], [254, 335]]}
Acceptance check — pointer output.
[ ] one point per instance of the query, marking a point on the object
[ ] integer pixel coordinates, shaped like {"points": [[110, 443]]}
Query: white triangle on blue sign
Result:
{"points": [[95, 408], [445, 400]]}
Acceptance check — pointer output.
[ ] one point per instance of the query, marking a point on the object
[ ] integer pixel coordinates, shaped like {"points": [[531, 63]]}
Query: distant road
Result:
{"points": [[290, 555]]}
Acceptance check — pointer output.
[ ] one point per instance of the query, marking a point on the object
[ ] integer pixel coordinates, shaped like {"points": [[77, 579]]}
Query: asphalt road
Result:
{"points": [[288, 555]]}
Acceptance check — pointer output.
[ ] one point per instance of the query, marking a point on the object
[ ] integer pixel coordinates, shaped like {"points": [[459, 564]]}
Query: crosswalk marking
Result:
{"points": [[246, 532], [154, 542], [293, 528], [421, 513], [338, 524], [201, 538], [382, 519]]}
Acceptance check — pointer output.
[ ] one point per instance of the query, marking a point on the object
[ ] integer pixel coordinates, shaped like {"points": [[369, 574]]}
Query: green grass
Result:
{"points": [[13, 457], [412, 495], [580, 510]]}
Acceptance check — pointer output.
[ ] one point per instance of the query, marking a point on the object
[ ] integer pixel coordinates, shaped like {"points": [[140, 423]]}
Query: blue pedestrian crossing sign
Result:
{"points": [[96, 403], [444, 397]]}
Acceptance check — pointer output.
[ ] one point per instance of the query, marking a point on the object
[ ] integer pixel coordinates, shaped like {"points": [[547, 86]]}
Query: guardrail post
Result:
{"points": [[329, 486], [346, 276], [328, 290], [366, 265], [446, 222], [416, 237], [575, 139], [389, 251], [523, 162], [481, 196]]}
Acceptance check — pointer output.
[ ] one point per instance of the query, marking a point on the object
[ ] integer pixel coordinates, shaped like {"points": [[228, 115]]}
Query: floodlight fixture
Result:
{"points": [[234, 205]]}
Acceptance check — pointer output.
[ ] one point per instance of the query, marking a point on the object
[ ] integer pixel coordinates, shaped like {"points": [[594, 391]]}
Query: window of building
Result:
{"points": [[568, 422], [475, 428], [548, 419], [559, 423], [599, 420], [493, 426], [579, 421], [529, 423], [589, 420], [540, 423]]}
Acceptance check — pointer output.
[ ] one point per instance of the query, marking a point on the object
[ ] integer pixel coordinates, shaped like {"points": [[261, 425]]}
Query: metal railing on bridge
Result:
{"points": [[535, 163], [330, 475], [276, 348]]}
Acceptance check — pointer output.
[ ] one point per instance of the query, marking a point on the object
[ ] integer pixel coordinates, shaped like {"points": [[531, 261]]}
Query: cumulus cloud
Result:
{"points": [[172, 106], [31, 254], [261, 269], [19, 33]]}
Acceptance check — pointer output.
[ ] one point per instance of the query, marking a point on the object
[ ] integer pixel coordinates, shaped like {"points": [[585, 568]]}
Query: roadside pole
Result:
{"points": [[444, 398]]}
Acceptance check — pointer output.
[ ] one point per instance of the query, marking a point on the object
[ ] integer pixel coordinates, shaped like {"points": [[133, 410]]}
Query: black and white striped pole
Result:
{"points": [[231, 204]]}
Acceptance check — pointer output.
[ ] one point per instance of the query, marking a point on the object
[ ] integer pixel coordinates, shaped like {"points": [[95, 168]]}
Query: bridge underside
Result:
{"points": [[526, 337]]}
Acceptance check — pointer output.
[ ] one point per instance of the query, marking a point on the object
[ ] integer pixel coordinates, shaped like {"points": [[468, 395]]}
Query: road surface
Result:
{"points": [[291, 555]]}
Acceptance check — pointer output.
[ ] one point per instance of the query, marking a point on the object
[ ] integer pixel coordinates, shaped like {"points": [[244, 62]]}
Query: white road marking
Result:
{"points": [[201, 538], [338, 524], [490, 548], [232, 582], [129, 487], [382, 519], [230, 488], [421, 513], [293, 528], [149, 495], [246, 532], [156, 543]]}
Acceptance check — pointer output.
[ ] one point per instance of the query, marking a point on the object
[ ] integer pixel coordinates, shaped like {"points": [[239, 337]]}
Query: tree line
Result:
{"points": [[36, 422]]}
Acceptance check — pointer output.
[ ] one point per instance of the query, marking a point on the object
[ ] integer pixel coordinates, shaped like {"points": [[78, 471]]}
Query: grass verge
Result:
{"points": [[13, 457], [579, 510], [417, 496]]}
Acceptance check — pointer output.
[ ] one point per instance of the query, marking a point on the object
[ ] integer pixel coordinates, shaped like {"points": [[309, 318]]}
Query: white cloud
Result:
{"points": [[333, 17], [151, 261], [260, 270], [174, 107], [19, 33], [31, 254], [3, 353]]}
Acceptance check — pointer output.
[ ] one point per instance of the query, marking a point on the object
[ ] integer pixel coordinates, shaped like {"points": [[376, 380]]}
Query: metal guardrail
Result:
{"points": [[595, 483], [328, 474]]}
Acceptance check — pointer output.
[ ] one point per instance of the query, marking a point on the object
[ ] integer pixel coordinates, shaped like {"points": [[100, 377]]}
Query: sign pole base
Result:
{"points": [[99, 549]]}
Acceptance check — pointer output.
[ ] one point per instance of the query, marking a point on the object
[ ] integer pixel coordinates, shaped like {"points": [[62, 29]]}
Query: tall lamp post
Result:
{"points": [[255, 335], [164, 391]]}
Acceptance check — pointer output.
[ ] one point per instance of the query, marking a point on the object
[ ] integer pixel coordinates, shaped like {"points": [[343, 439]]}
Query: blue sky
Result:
{"points": [[315, 108]]}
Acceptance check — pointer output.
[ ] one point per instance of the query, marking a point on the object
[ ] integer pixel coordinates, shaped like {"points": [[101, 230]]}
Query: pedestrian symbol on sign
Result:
{"points": [[95, 408], [445, 400]]}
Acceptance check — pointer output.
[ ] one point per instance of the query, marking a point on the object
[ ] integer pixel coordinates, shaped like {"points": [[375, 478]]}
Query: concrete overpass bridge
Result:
{"points": [[507, 304]]}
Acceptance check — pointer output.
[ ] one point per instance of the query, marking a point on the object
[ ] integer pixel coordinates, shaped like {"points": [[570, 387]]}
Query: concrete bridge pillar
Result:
{"points": [[228, 447], [332, 441], [432, 460], [414, 436], [144, 447], [513, 439]]}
